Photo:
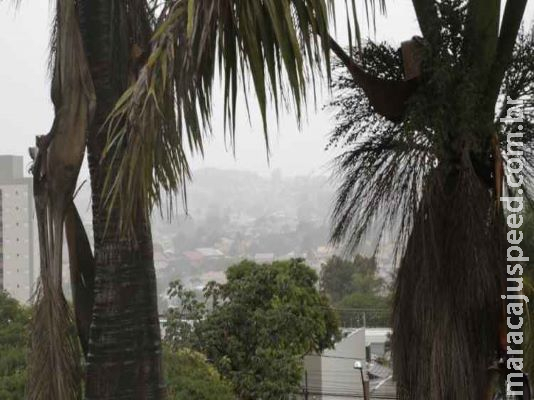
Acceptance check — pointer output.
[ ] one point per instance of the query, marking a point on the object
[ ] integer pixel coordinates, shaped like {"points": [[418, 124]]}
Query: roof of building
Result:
{"points": [[193, 255], [209, 252]]}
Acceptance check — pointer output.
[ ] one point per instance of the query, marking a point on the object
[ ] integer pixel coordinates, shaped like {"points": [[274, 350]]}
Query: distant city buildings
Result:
{"points": [[17, 274]]}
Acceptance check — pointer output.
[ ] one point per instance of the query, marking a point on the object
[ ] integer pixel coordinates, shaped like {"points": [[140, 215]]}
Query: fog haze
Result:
{"points": [[26, 110]]}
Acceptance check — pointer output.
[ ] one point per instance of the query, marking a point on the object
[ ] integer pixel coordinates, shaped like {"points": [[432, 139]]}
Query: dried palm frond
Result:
{"points": [[277, 44], [54, 357], [447, 299]]}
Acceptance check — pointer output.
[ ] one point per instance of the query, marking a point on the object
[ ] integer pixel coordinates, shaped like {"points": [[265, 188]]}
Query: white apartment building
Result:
{"points": [[17, 249]]}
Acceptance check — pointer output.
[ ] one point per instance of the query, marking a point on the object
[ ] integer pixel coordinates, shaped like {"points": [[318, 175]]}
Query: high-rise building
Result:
{"points": [[17, 274]]}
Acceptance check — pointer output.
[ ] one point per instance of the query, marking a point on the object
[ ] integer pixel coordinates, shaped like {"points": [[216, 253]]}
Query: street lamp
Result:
{"points": [[365, 382]]}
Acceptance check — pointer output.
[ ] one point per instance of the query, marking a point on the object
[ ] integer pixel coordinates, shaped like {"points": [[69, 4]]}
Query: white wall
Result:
{"points": [[17, 220]]}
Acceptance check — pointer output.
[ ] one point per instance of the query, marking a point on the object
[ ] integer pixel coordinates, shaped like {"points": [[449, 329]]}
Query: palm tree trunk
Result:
{"points": [[124, 359], [447, 300]]}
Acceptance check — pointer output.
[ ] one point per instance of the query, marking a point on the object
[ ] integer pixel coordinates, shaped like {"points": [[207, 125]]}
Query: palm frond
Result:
{"points": [[278, 44], [383, 165]]}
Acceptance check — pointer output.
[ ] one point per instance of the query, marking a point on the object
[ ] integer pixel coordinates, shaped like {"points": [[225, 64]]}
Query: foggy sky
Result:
{"points": [[26, 110]]}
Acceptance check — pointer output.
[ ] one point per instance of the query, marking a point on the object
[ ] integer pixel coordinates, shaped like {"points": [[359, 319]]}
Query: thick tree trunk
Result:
{"points": [[447, 300], [124, 360]]}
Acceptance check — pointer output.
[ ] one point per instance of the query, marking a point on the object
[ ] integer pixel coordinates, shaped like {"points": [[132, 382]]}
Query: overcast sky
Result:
{"points": [[26, 111]]}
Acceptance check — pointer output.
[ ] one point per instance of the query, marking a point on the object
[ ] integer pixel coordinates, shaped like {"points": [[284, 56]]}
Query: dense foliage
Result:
{"points": [[183, 317], [341, 278], [260, 325], [14, 320], [189, 376], [359, 293]]}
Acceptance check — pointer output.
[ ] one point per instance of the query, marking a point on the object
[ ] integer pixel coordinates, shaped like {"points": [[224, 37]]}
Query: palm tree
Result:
{"points": [[170, 48], [431, 166], [434, 175], [114, 292]]}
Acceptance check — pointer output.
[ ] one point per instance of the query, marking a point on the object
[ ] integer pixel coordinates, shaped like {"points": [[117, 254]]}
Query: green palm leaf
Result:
{"points": [[276, 44]]}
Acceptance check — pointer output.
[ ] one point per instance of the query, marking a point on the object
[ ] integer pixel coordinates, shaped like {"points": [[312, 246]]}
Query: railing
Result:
{"points": [[364, 317]]}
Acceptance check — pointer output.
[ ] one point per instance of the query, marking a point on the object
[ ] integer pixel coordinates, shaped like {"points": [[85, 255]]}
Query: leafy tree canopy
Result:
{"points": [[14, 321], [191, 377], [341, 278], [261, 324], [183, 317], [360, 295]]}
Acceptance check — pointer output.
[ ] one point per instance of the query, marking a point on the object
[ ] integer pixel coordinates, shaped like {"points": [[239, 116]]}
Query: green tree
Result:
{"points": [[262, 323], [359, 294], [358, 309], [183, 317], [189, 376], [341, 278], [14, 322]]}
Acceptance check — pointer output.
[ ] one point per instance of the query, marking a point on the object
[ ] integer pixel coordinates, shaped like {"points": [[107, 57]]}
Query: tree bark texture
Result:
{"points": [[124, 358]]}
